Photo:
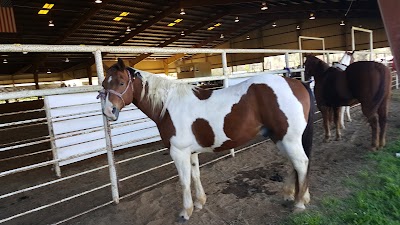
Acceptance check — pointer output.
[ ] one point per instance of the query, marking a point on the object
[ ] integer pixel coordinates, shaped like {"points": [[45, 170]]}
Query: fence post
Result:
{"points": [[107, 130], [225, 69], [287, 64], [54, 151]]}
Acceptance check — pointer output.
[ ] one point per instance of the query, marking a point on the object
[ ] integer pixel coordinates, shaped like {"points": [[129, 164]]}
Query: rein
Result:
{"points": [[103, 93]]}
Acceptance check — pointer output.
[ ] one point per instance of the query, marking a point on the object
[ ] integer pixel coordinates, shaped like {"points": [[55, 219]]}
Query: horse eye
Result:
{"points": [[122, 84]]}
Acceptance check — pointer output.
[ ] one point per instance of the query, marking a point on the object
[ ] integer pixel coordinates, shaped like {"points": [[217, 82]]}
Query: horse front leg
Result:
{"points": [[326, 117], [181, 159], [200, 195]]}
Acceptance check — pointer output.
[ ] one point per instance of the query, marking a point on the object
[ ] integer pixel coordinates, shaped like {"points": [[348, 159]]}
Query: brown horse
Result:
{"points": [[366, 82], [192, 120]]}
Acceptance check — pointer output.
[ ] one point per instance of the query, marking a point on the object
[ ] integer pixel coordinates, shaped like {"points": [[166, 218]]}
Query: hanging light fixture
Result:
{"points": [[236, 19], [342, 23], [274, 24], [222, 36], [48, 71], [5, 61], [98, 1], [51, 24], [312, 16], [183, 33], [24, 53], [128, 29], [297, 27], [66, 60], [182, 11], [248, 37], [264, 6]]}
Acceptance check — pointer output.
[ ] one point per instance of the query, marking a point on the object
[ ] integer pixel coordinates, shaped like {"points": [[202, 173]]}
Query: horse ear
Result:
{"points": [[121, 64], [353, 51]]}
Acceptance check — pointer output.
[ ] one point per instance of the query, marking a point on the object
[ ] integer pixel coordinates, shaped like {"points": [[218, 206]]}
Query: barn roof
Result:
{"points": [[151, 23]]}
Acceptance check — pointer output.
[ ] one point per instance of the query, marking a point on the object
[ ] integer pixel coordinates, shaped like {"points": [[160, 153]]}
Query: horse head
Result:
{"points": [[313, 66], [347, 58], [119, 89]]}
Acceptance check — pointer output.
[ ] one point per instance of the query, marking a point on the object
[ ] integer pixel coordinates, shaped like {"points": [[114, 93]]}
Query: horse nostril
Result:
{"points": [[114, 109]]}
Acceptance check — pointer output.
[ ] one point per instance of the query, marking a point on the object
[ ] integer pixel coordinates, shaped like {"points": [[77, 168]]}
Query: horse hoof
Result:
{"points": [[326, 140], [298, 209], [374, 149], [182, 219], [338, 138]]}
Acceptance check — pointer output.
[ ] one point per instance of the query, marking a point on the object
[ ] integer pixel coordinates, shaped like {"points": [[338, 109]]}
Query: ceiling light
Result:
{"points": [[98, 1], [248, 37], [182, 12], [297, 27], [178, 20], [5, 61], [124, 14], [342, 23], [217, 24], [24, 53], [43, 12], [264, 6], [312, 16], [222, 36], [128, 29], [171, 24], [183, 33], [66, 60], [48, 6], [210, 28], [48, 71], [274, 24], [236, 19], [118, 18], [51, 24]]}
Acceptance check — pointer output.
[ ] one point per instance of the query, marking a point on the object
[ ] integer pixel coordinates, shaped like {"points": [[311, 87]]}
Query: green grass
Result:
{"points": [[375, 197]]}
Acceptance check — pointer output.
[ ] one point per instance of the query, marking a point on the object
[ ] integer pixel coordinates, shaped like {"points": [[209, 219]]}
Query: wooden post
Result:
{"points": [[89, 74]]}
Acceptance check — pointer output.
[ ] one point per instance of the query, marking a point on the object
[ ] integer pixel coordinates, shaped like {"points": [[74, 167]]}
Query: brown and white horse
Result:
{"points": [[366, 82], [193, 120]]}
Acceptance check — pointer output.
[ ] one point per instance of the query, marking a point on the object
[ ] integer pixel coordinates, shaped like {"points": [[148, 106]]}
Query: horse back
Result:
{"points": [[369, 82]]}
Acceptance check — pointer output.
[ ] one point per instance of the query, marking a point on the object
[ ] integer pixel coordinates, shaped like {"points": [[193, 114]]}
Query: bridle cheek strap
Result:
{"points": [[103, 93]]}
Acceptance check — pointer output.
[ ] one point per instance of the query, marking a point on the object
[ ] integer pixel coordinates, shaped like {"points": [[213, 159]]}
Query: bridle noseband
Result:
{"points": [[103, 93]]}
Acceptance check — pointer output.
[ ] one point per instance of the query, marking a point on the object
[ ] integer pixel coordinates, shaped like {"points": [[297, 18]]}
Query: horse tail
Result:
{"points": [[307, 140], [307, 137], [384, 74]]}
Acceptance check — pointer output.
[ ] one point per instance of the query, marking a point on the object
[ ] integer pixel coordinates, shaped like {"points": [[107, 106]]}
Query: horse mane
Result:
{"points": [[161, 90]]}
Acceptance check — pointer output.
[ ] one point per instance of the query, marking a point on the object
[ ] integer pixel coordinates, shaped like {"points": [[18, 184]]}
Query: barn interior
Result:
{"points": [[185, 24]]}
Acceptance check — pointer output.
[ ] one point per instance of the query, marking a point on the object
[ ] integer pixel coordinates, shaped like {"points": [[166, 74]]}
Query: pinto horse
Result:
{"points": [[192, 120], [366, 82]]}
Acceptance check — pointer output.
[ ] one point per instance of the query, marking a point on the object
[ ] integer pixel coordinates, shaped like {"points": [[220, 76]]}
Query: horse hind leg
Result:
{"points": [[326, 118], [373, 121], [200, 195], [338, 117], [294, 150], [348, 113], [342, 111], [382, 113]]}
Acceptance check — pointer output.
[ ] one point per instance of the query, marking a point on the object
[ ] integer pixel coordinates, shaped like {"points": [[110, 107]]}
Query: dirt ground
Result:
{"points": [[245, 189]]}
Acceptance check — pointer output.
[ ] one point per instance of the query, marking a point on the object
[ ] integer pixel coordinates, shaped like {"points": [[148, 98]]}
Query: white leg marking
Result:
{"points": [[348, 113], [289, 187], [342, 109], [200, 195], [181, 158]]}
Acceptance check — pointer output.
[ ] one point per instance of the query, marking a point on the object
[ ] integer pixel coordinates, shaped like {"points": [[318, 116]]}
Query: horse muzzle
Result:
{"points": [[111, 113]]}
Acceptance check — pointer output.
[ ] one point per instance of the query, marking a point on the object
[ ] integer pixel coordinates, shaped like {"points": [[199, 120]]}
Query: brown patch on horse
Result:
{"points": [[296, 88], [257, 109], [203, 133], [166, 128], [202, 94]]}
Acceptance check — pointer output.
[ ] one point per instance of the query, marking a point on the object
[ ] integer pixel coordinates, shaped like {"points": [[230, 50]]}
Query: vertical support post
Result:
{"points": [[328, 59], [225, 69], [287, 63], [36, 79], [226, 82], [397, 82], [54, 149], [107, 130], [371, 46], [89, 74], [353, 43]]}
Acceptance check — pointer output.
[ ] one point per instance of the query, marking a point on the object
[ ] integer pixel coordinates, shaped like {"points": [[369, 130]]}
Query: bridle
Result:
{"points": [[103, 93]]}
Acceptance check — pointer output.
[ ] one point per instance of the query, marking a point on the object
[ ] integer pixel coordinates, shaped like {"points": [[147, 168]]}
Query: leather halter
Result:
{"points": [[103, 93]]}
